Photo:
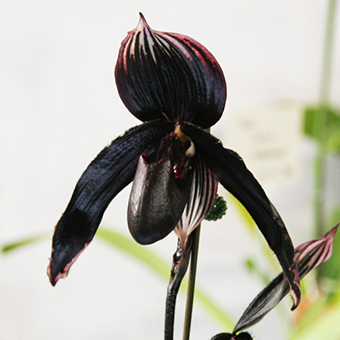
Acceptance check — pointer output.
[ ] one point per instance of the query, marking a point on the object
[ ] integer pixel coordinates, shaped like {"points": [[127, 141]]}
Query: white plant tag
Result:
{"points": [[267, 138]]}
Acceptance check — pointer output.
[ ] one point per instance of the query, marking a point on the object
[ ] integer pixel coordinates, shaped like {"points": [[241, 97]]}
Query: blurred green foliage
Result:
{"points": [[330, 137]]}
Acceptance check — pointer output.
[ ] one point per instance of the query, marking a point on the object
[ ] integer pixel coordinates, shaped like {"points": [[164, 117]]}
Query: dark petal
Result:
{"points": [[202, 197], [231, 172], [160, 189], [243, 336], [223, 336], [167, 75], [308, 256], [104, 178], [269, 297], [311, 254], [228, 336], [156, 201]]}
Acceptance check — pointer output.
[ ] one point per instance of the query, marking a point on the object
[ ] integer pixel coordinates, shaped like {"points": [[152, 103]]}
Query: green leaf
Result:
{"points": [[24, 242], [148, 258], [330, 270], [160, 267], [135, 250], [333, 142], [330, 137]]}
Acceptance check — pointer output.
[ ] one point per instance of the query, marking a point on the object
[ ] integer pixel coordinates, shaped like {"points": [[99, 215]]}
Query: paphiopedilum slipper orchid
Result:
{"points": [[229, 336], [176, 87], [308, 256]]}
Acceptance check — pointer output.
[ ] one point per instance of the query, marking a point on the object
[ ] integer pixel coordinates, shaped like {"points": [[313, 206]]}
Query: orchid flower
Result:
{"points": [[308, 256], [177, 89], [229, 336]]}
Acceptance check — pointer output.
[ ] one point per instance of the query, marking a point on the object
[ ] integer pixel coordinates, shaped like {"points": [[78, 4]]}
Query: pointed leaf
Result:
{"points": [[5, 249]]}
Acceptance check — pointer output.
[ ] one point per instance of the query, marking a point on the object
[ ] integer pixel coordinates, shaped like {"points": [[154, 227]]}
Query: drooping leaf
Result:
{"points": [[9, 247], [147, 257]]}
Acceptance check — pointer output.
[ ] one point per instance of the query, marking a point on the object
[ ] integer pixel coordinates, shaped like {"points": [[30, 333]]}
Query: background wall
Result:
{"points": [[59, 107]]}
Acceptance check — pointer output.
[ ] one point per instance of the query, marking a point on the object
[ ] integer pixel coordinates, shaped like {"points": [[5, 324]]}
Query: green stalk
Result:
{"points": [[321, 123], [191, 285], [327, 57]]}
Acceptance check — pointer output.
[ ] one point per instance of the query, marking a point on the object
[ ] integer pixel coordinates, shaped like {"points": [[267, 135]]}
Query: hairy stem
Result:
{"points": [[179, 267]]}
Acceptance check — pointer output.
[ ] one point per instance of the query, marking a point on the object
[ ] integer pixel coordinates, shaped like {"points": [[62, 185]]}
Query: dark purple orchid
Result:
{"points": [[176, 87], [308, 256], [229, 336]]}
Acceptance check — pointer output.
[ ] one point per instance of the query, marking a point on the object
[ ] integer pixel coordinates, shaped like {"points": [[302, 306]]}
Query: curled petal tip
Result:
{"points": [[54, 277], [295, 286], [57, 268], [53, 281], [296, 297]]}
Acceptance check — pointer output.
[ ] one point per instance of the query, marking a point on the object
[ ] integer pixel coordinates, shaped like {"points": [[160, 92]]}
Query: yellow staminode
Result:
{"points": [[190, 151]]}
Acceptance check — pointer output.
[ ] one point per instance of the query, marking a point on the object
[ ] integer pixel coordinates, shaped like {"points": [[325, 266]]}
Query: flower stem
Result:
{"points": [[179, 267], [327, 57], [191, 286]]}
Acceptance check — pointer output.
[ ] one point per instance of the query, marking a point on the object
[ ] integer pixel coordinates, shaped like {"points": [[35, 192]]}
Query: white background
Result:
{"points": [[59, 107]]}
